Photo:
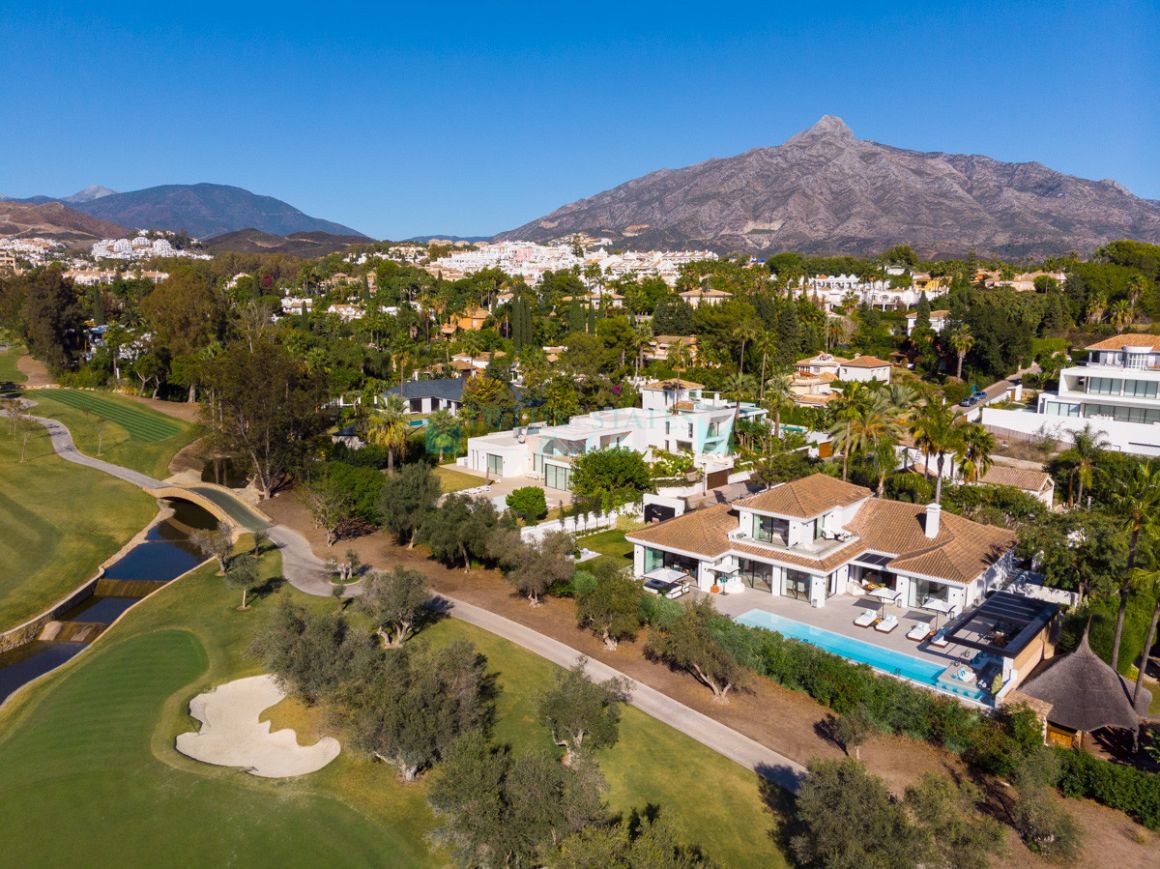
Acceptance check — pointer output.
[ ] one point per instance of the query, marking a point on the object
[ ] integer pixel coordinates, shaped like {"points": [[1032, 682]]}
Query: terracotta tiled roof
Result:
{"points": [[867, 362], [1117, 342], [960, 551], [807, 497], [1030, 481], [704, 532]]}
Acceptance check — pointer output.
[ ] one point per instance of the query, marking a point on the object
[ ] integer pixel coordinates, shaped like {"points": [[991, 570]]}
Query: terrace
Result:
{"points": [[838, 616]]}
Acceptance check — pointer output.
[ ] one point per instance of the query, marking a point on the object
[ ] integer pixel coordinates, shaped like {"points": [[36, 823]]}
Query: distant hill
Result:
{"points": [[54, 220], [93, 191], [470, 239], [826, 191], [300, 244], [204, 211]]}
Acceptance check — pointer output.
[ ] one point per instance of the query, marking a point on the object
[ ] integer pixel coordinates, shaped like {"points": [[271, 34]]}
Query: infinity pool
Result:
{"points": [[882, 659]]}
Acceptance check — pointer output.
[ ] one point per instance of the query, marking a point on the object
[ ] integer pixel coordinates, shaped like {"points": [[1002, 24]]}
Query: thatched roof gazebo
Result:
{"points": [[1086, 694]]}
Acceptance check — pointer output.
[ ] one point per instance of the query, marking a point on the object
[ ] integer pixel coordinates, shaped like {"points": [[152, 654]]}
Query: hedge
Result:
{"points": [[996, 744], [1132, 791]]}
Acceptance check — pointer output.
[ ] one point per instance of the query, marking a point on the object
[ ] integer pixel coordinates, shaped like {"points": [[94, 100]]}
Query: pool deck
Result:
{"points": [[838, 616]]}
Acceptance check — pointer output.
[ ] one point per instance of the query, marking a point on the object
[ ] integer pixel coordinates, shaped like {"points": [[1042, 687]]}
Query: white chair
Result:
{"points": [[919, 632], [887, 624], [866, 619]]}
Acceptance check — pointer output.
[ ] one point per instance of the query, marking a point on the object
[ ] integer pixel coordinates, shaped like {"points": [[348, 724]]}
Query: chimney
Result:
{"points": [[933, 514]]}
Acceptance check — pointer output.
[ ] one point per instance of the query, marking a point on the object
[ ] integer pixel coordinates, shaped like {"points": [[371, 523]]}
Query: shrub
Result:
{"points": [[529, 503], [911, 487], [1046, 826], [1130, 790], [659, 612]]}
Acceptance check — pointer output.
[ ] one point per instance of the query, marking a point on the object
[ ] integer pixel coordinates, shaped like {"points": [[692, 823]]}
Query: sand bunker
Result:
{"points": [[232, 735]]}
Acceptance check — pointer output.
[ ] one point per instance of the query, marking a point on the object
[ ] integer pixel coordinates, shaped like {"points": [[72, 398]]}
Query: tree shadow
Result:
{"points": [[780, 802]]}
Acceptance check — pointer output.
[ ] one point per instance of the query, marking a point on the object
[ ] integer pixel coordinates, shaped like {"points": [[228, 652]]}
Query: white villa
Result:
{"points": [[861, 368], [674, 416], [818, 538], [1116, 392], [938, 321]]}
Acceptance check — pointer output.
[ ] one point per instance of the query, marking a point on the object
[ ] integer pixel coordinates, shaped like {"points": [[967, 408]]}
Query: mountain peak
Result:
{"points": [[828, 127], [93, 191], [827, 191]]}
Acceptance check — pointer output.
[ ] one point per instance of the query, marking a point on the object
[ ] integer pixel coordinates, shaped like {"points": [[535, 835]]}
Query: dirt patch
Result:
{"points": [[189, 458], [36, 372], [786, 721], [186, 411]]}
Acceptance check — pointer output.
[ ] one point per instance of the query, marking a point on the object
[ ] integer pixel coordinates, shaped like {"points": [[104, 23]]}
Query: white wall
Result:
{"points": [[1129, 437]]}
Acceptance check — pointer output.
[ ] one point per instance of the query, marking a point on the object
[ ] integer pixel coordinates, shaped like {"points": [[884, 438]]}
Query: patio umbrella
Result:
{"points": [[886, 594]]}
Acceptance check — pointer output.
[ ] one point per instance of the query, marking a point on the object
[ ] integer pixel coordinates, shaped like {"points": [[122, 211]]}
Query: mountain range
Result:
{"points": [[202, 210], [826, 191], [300, 244]]}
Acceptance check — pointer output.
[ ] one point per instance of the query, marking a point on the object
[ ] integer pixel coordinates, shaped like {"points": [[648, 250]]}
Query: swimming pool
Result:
{"points": [[885, 660]]}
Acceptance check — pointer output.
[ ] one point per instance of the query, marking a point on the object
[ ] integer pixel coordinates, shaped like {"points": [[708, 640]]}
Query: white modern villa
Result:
{"points": [[674, 416], [818, 538], [1116, 392]]}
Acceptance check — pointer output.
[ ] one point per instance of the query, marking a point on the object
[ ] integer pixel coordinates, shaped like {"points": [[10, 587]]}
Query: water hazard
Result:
{"points": [[165, 554]]}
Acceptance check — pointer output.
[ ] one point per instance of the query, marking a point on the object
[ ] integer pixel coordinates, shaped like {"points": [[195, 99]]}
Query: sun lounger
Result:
{"points": [[866, 619], [919, 632], [887, 624], [939, 640]]}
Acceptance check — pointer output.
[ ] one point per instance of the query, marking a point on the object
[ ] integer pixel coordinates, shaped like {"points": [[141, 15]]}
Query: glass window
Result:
{"points": [[494, 465], [756, 574], [557, 477], [797, 585]]}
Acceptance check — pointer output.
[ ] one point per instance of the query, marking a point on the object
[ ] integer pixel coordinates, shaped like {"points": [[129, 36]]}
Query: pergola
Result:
{"points": [[1002, 625]]}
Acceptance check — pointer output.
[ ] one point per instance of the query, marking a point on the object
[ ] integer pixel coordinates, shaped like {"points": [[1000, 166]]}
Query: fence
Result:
{"points": [[580, 523]]}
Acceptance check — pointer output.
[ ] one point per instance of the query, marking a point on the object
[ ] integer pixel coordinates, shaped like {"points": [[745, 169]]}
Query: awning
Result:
{"points": [[885, 593], [666, 574], [938, 606]]}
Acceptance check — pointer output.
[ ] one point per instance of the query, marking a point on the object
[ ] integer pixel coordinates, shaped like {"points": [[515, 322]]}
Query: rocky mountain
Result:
{"points": [[300, 244], [205, 210], [826, 191], [54, 220], [93, 191]]}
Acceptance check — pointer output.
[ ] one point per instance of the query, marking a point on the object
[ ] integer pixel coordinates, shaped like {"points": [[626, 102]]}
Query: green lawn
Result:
{"points": [[451, 480], [93, 744], [117, 429], [611, 545], [9, 373], [58, 522]]}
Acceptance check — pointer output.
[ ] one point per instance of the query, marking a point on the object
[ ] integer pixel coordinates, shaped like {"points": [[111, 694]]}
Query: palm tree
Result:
{"points": [[1121, 315], [1150, 582], [745, 331], [936, 433], [848, 410], [389, 429], [962, 341], [1087, 445], [738, 387], [776, 394], [444, 431], [1136, 502], [973, 455], [1096, 307]]}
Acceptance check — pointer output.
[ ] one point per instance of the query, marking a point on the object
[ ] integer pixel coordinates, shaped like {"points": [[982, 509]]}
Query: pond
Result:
{"points": [[165, 554]]}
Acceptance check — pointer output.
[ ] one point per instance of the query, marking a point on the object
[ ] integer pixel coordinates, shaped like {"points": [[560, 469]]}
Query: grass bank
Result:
{"points": [[58, 522], [117, 429]]}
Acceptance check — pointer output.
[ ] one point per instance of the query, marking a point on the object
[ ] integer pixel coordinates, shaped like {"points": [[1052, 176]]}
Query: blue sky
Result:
{"points": [[474, 118]]}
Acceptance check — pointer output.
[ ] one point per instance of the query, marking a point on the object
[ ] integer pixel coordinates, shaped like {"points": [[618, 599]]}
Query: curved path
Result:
{"points": [[306, 572]]}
